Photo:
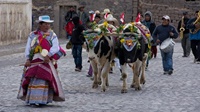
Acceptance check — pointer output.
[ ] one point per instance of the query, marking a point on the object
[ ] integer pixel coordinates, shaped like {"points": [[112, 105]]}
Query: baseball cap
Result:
{"points": [[166, 17]]}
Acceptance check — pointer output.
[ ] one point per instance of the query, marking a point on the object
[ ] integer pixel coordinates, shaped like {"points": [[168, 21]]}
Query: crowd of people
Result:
{"points": [[40, 82]]}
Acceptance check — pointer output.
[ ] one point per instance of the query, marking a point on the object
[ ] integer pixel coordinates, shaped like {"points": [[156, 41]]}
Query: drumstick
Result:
{"points": [[33, 63]]}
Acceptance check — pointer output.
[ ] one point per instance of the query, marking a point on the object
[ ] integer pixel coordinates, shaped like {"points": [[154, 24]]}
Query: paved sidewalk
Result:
{"points": [[179, 92]]}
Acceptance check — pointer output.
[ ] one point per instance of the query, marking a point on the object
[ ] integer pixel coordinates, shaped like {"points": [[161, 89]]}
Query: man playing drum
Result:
{"points": [[161, 33]]}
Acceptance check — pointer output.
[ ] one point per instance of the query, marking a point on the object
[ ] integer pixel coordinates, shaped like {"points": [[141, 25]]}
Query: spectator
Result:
{"points": [[185, 40], [69, 25], [83, 16], [148, 22]]}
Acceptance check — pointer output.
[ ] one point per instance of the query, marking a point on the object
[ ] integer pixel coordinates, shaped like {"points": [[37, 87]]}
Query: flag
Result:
{"points": [[138, 18], [92, 16], [106, 15], [122, 18]]}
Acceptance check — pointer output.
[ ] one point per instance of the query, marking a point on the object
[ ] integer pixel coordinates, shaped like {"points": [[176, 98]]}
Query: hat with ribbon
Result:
{"points": [[111, 18], [106, 11], [44, 18]]}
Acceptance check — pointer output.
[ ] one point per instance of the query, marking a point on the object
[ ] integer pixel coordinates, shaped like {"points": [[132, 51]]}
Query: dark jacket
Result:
{"points": [[162, 32], [185, 22], [149, 24], [191, 26], [70, 15], [83, 17], [77, 36]]}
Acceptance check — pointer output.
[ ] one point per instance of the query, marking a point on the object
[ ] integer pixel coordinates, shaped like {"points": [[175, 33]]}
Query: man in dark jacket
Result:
{"points": [[70, 14], [161, 33], [185, 40], [83, 16], [77, 42], [195, 36], [68, 19]]}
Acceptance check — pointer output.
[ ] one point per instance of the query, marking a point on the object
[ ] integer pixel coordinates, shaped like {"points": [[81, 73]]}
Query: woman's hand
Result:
{"points": [[46, 59], [157, 41], [28, 63]]}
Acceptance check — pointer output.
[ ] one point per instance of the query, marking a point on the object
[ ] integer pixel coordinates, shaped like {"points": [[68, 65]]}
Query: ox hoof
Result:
{"points": [[124, 91], [103, 90], [95, 85], [138, 88], [142, 82], [99, 82], [132, 86]]}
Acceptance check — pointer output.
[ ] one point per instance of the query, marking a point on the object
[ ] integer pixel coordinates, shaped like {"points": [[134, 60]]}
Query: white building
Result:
{"points": [[15, 21]]}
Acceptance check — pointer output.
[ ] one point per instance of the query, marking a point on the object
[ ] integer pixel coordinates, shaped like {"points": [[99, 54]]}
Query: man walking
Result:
{"points": [[195, 36], [161, 33], [184, 34]]}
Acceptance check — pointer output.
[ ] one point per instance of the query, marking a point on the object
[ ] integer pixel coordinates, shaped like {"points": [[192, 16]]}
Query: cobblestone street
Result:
{"points": [[179, 92]]}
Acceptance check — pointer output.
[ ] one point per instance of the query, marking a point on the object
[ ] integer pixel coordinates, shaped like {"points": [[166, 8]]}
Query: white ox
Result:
{"points": [[100, 53]]}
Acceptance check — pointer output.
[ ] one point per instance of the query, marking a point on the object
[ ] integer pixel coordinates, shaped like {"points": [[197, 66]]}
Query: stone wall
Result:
{"points": [[173, 8]]}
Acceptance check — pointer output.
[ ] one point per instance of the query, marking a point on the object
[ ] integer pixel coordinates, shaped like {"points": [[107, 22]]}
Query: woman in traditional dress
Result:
{"points": [[40, 83]]}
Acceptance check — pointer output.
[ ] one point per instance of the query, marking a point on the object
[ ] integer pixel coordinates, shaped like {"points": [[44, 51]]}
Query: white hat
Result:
{"points": [[44, 18], [111, 18], [97, 12], [166, 17], [106, 11], [91, 12]]}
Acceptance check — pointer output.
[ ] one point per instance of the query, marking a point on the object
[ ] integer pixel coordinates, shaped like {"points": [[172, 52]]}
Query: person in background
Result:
{"points": [[83, 16], [40, 84], [148, 22], [91, 15], [161, 33], [68, 19], [77, 41], [185, 40], [195, 36]]}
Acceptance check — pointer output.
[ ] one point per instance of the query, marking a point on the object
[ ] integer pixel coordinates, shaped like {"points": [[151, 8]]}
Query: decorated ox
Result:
{"points": [[132, 50], [100, 49]]}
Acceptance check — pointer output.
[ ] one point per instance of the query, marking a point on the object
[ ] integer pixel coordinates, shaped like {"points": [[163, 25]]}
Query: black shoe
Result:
{"points": [[170, 72], [89, 75], [78, 69], [166, 72]]}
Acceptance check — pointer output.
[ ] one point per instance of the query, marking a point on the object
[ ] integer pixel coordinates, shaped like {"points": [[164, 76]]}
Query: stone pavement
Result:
{"points": [[179, 92]]}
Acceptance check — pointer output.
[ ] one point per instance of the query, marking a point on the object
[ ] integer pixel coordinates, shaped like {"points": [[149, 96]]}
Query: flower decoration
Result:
{"points": [[148, 35], [129, 42], [91, 38], [132, 28], [120, 29], [104, 27], [122, 40], [38, 49]]}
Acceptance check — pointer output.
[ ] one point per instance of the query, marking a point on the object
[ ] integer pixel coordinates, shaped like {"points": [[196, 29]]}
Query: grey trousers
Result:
{"points": [[185, 42]]}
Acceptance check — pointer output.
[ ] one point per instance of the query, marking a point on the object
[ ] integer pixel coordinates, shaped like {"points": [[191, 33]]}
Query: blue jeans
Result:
{"points": [[77, 54], [167, 60]]}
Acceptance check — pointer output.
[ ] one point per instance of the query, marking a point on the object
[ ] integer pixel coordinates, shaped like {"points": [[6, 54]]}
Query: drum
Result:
{"points": [[167, 45]]}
